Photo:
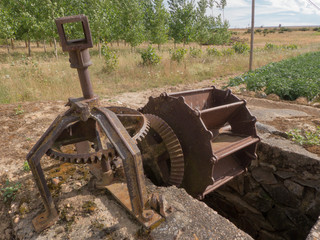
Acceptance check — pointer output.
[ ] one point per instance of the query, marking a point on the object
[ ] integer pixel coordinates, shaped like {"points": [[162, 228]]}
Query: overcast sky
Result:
{"points": [[272, 13]]}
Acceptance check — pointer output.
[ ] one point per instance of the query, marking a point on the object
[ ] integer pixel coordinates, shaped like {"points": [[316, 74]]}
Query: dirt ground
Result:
{"points": [[21, 125]]}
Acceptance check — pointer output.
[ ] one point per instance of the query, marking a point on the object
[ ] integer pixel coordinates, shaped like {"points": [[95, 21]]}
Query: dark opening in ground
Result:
{"points": [[273, 200]]}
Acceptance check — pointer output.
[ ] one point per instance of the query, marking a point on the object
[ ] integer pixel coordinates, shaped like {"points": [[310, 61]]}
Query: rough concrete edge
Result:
{"points": [[289, 148], [281, 105]]}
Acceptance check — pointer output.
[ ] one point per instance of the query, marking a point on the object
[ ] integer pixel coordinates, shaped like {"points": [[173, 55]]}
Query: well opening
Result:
{"points": [[278, 198]]}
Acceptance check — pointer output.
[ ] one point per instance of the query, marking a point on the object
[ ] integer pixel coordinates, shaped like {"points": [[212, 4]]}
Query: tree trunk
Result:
{"points": [[118, 43], [55, 47], [29, 47], [159, 47], [99, 47], [44, 46], [8, 46], [175, 45], [50, 43], [12, 44], [38, 44], [25, 41]]}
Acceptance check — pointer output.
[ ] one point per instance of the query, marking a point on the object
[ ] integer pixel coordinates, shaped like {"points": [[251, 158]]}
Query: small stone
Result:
{"points": [[65, 188], [294, 188], [16, 220], [68, 205], [260, 94], [297, 217], [78, 184], [14, 207], [282, 195], [285, 174], [59, 230], [308, 183], [273, 97], [279, 219], [302, 100], [55, 181], [317, 105], [263, 175], [260, 200], [8, 233]]}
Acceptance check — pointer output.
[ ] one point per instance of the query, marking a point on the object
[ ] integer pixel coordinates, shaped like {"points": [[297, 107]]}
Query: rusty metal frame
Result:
{"points": [[81, 110]]}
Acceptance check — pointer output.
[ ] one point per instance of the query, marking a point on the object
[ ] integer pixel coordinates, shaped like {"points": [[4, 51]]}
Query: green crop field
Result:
{"points": [[289, 79]]}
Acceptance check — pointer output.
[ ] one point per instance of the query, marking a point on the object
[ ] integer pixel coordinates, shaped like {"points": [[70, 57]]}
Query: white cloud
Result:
{"points": [[272, 12]]}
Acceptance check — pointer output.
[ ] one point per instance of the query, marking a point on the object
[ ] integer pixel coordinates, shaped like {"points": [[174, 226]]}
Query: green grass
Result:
{"points": [[289, 79], [43, 77]]}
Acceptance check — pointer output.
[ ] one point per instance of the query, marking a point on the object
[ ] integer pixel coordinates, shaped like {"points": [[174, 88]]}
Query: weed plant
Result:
{"points": [[241, 48], [195, 52], [213, 52], [110, 58], [303, 137], [150, 57], [9, 191], [178, 54]]}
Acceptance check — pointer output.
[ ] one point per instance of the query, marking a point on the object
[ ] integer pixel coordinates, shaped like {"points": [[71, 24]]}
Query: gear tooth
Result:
{"points": [[173, 148]]}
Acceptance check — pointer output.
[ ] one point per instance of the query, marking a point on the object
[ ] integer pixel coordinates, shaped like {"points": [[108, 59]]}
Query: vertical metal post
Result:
{"points": [[252, 36]]}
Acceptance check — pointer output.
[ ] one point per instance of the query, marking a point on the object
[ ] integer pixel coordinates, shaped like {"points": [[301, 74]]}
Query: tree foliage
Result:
{"points": [[131, 21]]}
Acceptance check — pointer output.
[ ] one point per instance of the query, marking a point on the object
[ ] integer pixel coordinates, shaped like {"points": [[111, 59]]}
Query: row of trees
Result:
{"points": [[133, 21]]}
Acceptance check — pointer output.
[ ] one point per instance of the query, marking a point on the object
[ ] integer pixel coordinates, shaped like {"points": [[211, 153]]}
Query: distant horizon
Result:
{"points": [[297, 26]]}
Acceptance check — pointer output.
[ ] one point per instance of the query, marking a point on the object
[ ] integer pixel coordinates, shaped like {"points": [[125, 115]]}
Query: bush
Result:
{"points": [[213, 52], [110, 58], [304, 29], [265, 31], [178, 54], [290, 47], [150, 57], [240, 47], [284, 29], [228, 52], [270, 46], [195, 52]]}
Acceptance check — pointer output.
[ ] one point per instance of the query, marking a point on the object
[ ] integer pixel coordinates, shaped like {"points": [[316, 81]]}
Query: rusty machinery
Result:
{"points": [[196, 139]]}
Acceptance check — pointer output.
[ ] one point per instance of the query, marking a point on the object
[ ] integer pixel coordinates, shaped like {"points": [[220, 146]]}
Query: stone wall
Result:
{"points": [[279, 196]]}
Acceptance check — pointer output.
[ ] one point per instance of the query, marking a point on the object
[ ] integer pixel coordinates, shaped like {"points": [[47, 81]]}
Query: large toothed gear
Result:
{"points": [[162, 152], [79, 143]]}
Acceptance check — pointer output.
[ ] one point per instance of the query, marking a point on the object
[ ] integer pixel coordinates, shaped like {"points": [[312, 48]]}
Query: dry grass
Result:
{"points": [[42, 77]]}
